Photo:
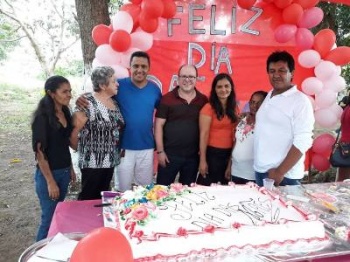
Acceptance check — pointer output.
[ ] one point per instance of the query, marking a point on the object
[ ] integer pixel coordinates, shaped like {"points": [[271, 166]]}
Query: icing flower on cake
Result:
{"points": [[181, 232], [209, 229], [140, 212]]}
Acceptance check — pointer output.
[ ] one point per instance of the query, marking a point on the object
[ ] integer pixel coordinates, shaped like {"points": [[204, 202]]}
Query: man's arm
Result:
{"points": [[158, 135]]}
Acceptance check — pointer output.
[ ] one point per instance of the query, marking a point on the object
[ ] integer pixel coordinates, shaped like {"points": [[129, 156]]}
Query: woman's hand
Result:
{"points": [[82, 102], [203, 168], [79, 120], [54, 191], [163, 159]]}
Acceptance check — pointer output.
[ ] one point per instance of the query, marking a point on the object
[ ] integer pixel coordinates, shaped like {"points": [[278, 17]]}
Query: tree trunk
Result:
{"points": [[89, 14]]}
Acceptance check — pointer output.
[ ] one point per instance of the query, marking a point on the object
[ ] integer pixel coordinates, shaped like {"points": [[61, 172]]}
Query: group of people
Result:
{"points": [[202, 140]]}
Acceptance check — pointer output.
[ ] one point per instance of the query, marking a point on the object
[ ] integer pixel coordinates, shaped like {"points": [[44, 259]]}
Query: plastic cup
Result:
{"points": [[268, 183]]}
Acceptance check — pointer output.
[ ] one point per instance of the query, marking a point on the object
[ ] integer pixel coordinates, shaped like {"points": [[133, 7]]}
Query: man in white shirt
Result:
{"points": [[284, 125]]}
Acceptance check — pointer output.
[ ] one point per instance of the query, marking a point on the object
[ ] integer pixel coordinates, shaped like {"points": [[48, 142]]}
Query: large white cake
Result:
{"points": [[179, 222]]}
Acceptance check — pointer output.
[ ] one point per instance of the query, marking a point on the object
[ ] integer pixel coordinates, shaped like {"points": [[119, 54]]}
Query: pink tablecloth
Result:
{"points": [[76, 217]]}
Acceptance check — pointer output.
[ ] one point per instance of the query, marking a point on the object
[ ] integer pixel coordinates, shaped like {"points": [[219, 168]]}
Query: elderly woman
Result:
{"points": [[217, 121], [51, 129], [96, 134]]}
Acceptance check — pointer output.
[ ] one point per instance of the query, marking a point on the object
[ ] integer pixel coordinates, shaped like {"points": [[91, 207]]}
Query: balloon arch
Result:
{"points": [[217, 36]]}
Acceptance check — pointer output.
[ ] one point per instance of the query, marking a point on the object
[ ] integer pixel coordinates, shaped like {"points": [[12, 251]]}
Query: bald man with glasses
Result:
{"points": [[177, 129]]}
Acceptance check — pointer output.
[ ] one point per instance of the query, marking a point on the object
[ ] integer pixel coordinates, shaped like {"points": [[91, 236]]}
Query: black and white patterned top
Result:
{"points": [[99, 140]]}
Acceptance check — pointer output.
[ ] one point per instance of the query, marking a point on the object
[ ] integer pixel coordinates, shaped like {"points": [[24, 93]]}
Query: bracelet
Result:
{"points": [[159, 152]]}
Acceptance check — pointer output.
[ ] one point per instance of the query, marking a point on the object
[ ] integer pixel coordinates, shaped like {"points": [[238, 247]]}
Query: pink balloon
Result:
{"points": [[125, 57], [323, 143], [141, 40], [335, 83], [325, 118], [122, 20], [312, 86], [309, 58], [285, 32], [320, 162], [324, 70], [106, 55], [120, 71], [304, 38], [336, 109], [325, 99], [312, 100], [311, 17]]}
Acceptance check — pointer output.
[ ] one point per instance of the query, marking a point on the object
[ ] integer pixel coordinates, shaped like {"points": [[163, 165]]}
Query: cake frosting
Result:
{"points": [[179, 222]]}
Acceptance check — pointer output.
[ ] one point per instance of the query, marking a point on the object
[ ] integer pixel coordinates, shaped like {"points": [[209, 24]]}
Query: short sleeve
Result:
{"points": [[40, 132], [207, 110]]}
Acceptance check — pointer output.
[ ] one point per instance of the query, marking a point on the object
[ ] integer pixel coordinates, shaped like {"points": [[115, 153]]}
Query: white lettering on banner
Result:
{"points": [[192, 18]]}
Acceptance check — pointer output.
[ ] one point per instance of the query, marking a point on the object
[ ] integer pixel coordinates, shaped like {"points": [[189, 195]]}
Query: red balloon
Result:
{"points": [[136, 2], [292, 14], [133, 10], [103, 244], [169, 10], [101, 33], [246, 4], [320, 162], [305, 4], [120, 40], [282, 3], [152, 8], [324, 41], [148, 25], [339, 56], [323, 143]]}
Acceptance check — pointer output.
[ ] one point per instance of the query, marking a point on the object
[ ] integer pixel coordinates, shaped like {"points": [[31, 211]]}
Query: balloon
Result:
{"points": [[120, 71], [339, 56], [335, 83], [304, 38], [285, 32], [324, 41], [246, 4], [323, 143], [106, 55], [326, 118], [136, 2], [96, 63], [311, 17], [148, 25], [305, 4], [169, 10], [152, 8], [311, 86], [141, 40], [282, 3], [269, 10], [324, 70], [120, 40], [309, 58], [292, 14], [325, 99], [320, 162], [337, 110], [122, 20], [276, 21], [103, 244], [133, 10], [312, 100], [101, 33], [125, 57]]}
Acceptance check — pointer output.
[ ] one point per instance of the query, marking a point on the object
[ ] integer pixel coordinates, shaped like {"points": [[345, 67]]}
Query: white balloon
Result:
{"points": [[125, 58], [309, 58], [141, 40], [325, 118], [96, 63], [311, 86], [336, 83], [120, 71], [337, 109], [325, 99], [312, 100], [324, 70], [122, 21], [106, 55]]}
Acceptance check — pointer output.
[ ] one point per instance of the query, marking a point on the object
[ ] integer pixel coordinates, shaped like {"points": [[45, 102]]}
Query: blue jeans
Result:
{"points": [[286, 181], [186, 166], [62, 178]]}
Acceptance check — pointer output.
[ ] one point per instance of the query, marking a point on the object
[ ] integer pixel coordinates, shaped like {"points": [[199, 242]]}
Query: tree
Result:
{"points": [[8, 37], [89, 14], [50, 32]]}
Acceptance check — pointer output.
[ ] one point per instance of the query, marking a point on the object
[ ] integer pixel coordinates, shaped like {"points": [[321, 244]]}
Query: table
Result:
{"points": [[82, 216]]}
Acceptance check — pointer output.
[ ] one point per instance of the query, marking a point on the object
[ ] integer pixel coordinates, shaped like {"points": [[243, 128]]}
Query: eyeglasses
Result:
{"points": [[188, 77]]}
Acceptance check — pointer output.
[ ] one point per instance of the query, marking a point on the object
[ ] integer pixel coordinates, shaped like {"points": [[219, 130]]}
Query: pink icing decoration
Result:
{"points": [[140, 213], [181, 232]]}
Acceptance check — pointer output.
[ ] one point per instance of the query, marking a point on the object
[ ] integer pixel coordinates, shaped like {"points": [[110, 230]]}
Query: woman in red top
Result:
{"points": [[344, 172], [217, 121]]}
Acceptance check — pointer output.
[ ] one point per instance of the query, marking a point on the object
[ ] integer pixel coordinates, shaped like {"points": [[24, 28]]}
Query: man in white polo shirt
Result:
{"points": [[284, 125]]}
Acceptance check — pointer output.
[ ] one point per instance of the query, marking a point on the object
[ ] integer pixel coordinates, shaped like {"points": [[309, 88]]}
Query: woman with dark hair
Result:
{"points": [[217, 121], [51, 130], [96, 134], [240, 166], [344, 172]]}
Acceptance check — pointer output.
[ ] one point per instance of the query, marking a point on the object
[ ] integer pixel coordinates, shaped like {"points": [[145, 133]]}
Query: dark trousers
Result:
{"points": [[217, 160], [286, 181], [93, 181], [186, 166]]}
